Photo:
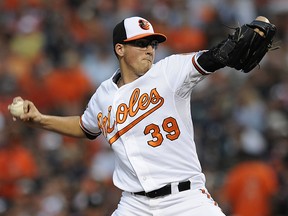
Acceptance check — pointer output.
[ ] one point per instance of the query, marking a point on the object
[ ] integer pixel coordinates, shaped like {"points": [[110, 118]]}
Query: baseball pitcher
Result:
{"points": [[143, 111]]}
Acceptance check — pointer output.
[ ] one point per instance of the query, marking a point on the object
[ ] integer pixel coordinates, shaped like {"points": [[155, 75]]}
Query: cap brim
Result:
{"points": [[157, 36]]}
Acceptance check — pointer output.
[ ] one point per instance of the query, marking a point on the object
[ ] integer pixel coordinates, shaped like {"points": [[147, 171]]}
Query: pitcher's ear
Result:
{"points": [[119, 49]]}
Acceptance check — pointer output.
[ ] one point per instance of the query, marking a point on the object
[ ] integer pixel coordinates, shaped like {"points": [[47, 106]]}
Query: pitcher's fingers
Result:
{"points": [[18, 98]]}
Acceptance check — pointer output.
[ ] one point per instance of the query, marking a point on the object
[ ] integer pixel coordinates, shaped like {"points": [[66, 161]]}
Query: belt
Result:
{"points": [[166, 190]]}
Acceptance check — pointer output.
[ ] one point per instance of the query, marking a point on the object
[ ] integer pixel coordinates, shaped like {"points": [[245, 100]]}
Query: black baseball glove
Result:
{"points": [[242, 50]]}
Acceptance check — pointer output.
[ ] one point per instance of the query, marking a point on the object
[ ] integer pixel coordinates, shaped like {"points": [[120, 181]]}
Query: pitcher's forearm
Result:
{"points": [[64, 125]]}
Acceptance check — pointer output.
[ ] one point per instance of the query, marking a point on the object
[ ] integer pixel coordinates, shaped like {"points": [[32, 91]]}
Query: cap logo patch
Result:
{"points": [[144, 24]]}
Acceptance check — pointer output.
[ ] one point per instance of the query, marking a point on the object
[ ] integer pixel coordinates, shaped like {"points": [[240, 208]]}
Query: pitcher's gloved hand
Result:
{"points": [[242, 50]]}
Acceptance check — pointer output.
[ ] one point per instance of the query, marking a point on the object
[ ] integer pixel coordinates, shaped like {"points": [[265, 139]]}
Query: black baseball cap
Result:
{"points": [[134, 28]]}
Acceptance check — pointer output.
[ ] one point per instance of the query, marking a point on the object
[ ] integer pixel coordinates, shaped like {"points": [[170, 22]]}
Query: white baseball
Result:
{"points": [[16, 109]]}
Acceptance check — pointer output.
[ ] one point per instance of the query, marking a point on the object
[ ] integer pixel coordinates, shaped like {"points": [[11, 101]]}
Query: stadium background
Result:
{"points": [[57, 52]]}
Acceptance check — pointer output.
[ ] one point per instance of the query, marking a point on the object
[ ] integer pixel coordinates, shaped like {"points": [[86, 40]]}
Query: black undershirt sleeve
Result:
{"points": [[208, 62]]}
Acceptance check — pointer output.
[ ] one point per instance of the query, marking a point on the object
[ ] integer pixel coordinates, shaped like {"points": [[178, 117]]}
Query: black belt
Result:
{"points": [[166, 190]]}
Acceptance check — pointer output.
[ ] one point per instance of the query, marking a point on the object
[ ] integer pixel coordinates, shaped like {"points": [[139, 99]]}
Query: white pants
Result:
{"points": [[186, 203]]}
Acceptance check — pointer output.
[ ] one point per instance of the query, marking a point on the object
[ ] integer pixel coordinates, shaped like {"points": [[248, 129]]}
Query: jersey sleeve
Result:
{"points": [[183, 72], [88, 120], [197, 65]]}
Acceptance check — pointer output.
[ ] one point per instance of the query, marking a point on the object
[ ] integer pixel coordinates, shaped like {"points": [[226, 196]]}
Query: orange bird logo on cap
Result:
{"points": [[144, 24]]}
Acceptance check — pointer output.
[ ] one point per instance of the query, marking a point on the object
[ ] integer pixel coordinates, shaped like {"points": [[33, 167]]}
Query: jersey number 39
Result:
{"points": [[170, 128]]}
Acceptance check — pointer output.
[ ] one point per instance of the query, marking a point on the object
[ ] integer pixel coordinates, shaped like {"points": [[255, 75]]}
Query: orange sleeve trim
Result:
{"points": [[88, 133], [198, 68]]}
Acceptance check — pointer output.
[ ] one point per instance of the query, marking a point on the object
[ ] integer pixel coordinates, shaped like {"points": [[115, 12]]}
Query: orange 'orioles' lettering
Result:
{"points": [[104, 123], [137, 102]]}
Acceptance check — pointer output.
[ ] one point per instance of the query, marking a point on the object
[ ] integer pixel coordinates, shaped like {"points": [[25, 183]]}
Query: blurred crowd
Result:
{"points": [[57, 52]]}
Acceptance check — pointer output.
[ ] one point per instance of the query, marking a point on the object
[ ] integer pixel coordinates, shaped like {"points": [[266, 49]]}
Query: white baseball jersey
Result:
{"points": [[149, 126]]}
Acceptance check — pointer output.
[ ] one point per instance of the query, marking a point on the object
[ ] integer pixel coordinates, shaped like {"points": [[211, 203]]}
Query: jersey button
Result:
{"points": [[144, 178]]}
